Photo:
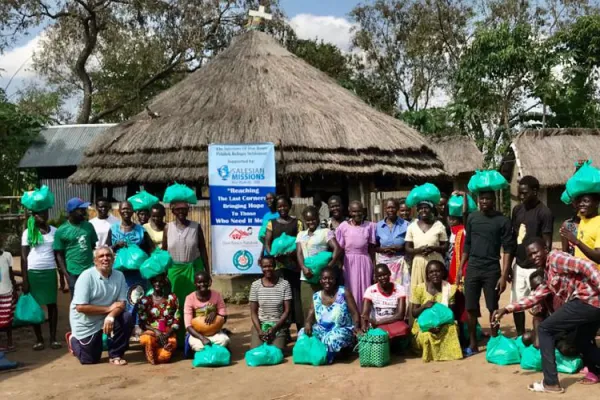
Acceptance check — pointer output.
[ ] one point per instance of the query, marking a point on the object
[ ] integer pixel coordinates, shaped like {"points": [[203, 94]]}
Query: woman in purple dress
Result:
{"points": [[357, 238]]}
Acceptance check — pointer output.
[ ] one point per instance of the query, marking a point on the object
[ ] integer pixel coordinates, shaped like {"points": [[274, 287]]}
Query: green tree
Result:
{"points": [[48, 104]]}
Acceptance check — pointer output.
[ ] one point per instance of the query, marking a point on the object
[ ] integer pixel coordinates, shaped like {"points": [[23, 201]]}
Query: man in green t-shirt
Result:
{"points": [[74, 242]]}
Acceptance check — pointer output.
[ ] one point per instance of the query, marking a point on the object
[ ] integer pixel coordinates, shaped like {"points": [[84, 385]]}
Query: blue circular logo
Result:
{"points": [[243, 260]]}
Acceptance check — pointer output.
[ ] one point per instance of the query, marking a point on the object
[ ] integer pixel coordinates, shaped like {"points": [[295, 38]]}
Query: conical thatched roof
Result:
{"points": [[459, 154], [550, 154], [256, 91]]}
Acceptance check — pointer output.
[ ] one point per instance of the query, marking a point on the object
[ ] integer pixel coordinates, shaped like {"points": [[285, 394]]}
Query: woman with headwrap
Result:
{"points": [[426, 240], [38, 262]]}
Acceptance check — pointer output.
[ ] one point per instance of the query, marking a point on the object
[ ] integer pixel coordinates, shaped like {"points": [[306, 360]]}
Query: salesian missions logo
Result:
{"points": [[243, 260], [241, 174], [223, 172]]}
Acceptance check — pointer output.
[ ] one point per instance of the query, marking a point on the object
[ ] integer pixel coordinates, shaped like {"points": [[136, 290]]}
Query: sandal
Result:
{"points": [[68, 340], [589, 379], [39, 346], [469, 352], [538, 387], [117, 361], [8, 349], [55, 345]]}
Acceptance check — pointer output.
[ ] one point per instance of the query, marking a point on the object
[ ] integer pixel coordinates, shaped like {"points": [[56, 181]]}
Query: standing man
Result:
{"points": [[575, 281], [530, 219], [487, 231], [74, 242], [103, 221], [98, 306], [322, 207]]}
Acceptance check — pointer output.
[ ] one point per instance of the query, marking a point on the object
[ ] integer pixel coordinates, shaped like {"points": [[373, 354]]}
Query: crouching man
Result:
{"points": [[98, 307]]}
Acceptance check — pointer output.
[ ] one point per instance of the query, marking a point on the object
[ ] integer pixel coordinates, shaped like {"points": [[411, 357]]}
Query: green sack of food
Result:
{"points": [[265, 354], [585, 180], [567, 365], [129, 258], [28, 311], [316, 264], [142, 201], [455, 205], [426, 192], [531, 359], [262, 233], [478, 331], [520, 345], [566, 198], [158, 263], [435, 317], [310, 351], [282, 245], [180, 193], [38, 200], [487, 181], [212, 356], [502, 351], [374, 348]]}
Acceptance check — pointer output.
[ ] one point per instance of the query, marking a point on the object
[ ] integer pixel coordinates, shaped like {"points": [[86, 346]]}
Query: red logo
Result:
{"points": [[238, 234]]}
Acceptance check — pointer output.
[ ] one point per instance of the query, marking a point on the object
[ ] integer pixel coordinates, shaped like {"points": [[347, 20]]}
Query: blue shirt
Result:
{"points": [[135, 236], [94, 289], [393, 237]]}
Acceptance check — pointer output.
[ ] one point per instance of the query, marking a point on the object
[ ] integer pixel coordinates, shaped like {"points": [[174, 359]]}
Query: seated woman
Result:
{"points": [[438, 344], [208, 304], [159, 320], [384, 305], [333, 317], [270, 304]]}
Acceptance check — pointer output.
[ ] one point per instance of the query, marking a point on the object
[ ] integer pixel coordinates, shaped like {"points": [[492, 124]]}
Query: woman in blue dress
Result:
{"points": [[333, 318]]}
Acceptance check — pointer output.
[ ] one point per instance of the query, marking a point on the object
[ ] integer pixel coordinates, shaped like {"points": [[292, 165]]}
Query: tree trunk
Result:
{"points": [[90, 34]]}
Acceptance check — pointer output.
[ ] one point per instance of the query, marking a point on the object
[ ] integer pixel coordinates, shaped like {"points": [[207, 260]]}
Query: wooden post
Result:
{"points": [[297, 187]]}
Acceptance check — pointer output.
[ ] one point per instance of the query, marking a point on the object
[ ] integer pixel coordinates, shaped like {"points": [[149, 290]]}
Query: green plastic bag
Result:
{"points": [[435, 317], [502, 351], [565, 198], [316, 264], [158, 263], [28, 311], [309, 350], [478, 331], [130, 258], [178, 192], [520, 345], [284, 244], [38, 200], [425, 192], [265, 354], [262, 233], [374, 348], [585, 180], [531, 359], [142, 201], [567, 365], [486, 181], [212, 356], [455, 205]]}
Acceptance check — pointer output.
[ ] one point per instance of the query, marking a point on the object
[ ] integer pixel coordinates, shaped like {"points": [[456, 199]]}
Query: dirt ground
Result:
{"points": [[51, 374]]}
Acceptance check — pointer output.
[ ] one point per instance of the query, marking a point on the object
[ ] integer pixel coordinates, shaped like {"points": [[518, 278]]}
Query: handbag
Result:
{"points": [[374, 348], [396, 329]]}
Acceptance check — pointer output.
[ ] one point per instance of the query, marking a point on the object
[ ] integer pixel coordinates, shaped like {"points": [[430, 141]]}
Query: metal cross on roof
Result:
{"points": [[260, 14]]}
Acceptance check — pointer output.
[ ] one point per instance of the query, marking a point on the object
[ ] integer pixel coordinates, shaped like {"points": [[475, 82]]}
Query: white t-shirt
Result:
{"points": [[42, 256], [384, 306], [102, 226], [6, 286]]}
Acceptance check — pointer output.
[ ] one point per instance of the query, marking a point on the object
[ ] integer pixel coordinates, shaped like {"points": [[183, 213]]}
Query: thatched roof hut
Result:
{"points": [[550, 154], [257, 91], [459, 154]]}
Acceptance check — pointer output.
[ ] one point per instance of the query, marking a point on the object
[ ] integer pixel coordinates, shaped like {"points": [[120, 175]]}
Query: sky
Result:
{"points": [[311, 19]]}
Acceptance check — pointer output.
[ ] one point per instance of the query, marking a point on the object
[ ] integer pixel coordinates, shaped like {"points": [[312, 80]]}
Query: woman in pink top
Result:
{"points": [[357, 238], [203, 303]]}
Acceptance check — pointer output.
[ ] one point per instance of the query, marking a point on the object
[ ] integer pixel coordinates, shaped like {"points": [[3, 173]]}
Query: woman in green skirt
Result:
{"points": [[185, 242], [38, 266]]}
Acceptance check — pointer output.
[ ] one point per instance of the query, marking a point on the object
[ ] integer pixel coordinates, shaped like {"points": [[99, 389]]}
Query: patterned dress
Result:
{"points": [[442, 346], [161, 317], [334, 326]]}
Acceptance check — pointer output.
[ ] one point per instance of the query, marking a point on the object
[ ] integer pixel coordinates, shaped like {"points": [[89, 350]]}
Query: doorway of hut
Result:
{"points": [[323, 187]]}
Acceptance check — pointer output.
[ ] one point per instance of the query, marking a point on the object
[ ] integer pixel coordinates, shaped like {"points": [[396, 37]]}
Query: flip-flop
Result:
{"points": [[68, 340], [538, 387], [469, 352], [589, 379], [55, 345], [39, 346], [117, 361], [8, 349]]}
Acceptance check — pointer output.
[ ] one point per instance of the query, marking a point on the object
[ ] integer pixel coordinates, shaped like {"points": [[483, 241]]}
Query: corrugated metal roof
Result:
{"points": [[61, 146]]}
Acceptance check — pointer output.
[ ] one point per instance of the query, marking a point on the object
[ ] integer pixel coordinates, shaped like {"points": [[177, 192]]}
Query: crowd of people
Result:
{"points": [[382, 274]]}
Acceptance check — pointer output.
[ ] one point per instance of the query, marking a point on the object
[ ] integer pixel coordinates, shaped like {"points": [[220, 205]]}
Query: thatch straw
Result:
{"points": [[459, 154], [256, 91], [550, 154]]}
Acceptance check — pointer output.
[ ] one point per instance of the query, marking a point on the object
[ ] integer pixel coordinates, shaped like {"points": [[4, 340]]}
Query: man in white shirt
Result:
{"points": [[103, 221]]}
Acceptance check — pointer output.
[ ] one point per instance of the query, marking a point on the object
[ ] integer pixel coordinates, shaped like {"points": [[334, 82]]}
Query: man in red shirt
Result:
{"points": [[577, 282]]}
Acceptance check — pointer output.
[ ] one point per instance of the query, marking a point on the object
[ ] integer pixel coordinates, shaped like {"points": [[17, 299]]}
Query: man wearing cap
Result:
{"points": [[74, 242]]}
